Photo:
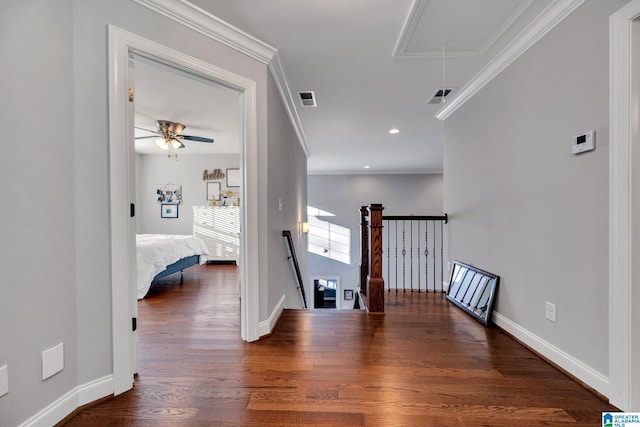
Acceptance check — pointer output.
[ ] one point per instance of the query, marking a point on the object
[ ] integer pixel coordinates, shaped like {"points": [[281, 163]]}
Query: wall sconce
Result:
{"points": [[305, 227]]}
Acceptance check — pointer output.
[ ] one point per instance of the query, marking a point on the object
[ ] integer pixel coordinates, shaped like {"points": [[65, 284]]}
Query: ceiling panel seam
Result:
{"points": [[414, 18]]}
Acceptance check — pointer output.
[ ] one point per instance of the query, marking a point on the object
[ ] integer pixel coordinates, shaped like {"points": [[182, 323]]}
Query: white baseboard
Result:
{"points": [[72, 400], [94, 390], [265, 327], [575, 367]]}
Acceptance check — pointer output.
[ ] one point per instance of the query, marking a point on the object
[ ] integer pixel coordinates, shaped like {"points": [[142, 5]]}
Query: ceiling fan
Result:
{"points": [[168, 135]]}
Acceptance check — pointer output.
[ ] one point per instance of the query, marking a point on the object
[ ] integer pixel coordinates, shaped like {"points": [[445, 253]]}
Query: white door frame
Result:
{"points": [[121, 155], [624, 391]]}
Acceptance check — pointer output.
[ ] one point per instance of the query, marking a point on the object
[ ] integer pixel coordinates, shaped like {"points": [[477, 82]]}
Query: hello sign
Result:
{"points": [[214, 174]]}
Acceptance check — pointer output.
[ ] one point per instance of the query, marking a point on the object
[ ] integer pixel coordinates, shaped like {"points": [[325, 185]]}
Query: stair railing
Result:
{"points": [[413, 252], [287, 235], [413, 257]]}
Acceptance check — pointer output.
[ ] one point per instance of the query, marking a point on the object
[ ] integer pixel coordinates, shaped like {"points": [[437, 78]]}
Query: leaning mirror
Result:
{"points": [[473, 290]]}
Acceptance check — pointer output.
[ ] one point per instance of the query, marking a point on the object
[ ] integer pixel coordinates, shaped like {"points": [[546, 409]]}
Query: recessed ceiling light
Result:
{"points": [[394, 131], [367, 167]]}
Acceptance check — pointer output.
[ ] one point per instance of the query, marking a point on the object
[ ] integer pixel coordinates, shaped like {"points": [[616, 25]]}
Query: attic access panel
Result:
{"points": [[473, 290]]}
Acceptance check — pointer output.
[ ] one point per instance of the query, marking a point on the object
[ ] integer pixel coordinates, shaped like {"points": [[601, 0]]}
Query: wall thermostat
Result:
{"points": [[584, 142]]}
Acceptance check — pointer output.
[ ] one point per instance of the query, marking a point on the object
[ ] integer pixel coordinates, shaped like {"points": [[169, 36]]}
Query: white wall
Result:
{"points": [[286, 180], [37, 290], [343, 195], [522, 206], [154, 170]]}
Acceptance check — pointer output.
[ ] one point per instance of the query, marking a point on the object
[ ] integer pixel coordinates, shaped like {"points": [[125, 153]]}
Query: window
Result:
{"points": [[311, 211], [329, 240]]}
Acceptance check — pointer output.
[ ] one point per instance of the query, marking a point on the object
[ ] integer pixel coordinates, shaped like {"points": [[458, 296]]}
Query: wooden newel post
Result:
{"points": [[376, 282], [364, 249]]}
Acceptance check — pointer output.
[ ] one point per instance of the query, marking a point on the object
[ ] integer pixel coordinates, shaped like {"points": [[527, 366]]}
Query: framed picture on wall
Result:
{"points": [[213, 191], [168, 211], [169, 193], [233, 177], [348, 294]]}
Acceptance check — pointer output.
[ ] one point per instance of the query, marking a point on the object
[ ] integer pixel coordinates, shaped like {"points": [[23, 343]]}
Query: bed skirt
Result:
{"points": [[179, 265]]}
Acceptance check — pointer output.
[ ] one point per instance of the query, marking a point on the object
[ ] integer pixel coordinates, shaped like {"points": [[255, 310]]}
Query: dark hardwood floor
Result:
{"points": [[424, 363]]}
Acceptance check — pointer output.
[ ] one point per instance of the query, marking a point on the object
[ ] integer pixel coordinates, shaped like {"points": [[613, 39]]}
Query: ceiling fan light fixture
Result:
{"points": [[162, 143], [168, 137]]}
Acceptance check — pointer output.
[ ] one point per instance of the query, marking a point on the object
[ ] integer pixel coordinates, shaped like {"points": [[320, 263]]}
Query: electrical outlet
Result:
{"points": [[4, 380], [550, 312]]}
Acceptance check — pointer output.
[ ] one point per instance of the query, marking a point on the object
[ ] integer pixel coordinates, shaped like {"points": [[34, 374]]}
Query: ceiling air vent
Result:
{"points": [[440, 95], [307, 98]]}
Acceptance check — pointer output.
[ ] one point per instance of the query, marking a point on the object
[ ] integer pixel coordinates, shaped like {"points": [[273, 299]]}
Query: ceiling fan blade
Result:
{"points": [[146, 130], [146, 137], [196, 138]]}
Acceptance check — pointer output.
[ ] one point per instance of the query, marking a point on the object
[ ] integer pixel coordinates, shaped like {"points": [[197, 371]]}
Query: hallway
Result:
{"points": [[424, 363]]}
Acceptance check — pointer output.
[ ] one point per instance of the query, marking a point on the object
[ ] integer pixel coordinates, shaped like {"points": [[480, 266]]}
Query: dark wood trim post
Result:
{"points": [[376, 282], [364, 249]]}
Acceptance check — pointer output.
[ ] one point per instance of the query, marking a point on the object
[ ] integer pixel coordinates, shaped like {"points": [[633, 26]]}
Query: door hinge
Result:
{"points": [[134, 324], [132, 209], [130, 94]]}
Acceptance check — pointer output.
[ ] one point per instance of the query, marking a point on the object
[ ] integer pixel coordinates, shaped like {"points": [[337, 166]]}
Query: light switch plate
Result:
{"points": [[52, 361]]}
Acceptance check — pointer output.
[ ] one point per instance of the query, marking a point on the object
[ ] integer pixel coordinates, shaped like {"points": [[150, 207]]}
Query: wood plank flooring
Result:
{"points": [[423, 363]]}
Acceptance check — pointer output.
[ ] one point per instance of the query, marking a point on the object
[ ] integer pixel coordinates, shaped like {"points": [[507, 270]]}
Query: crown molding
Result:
{"points": [[211, 26], [277, 71], [191, 16], [551, 16]]}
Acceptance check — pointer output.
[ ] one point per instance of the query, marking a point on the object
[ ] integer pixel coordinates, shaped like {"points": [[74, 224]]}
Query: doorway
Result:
{"points": [[326, 292], [207, 117], [122, 177]]}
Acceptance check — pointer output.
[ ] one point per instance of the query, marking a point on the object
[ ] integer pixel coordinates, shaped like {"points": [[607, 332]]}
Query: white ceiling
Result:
{"points": [[372, 65]]}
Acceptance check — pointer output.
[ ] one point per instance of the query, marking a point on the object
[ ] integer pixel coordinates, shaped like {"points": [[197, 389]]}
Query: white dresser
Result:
{"points": [[219, 228]]}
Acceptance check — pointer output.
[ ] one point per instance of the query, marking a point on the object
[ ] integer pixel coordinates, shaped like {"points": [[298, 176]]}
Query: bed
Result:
{"points": [[158, 255]]}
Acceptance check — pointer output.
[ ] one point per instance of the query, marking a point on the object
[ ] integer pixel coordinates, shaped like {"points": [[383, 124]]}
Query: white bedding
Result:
{"points": [[156, 251]]}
